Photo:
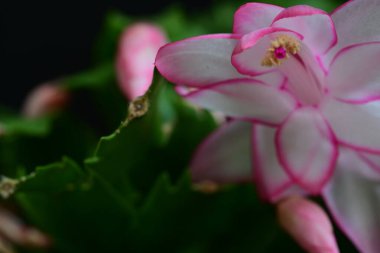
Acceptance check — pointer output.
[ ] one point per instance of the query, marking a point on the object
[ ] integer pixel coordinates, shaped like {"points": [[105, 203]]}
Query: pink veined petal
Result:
{"points": [[307, 149], [272, 181], [356, 22], [353, 197], [355, 125], [253, 16], [245, 99], [354, 75], [198, 61], [252, 48], [315, 25], [225, 156], [304, 75]]}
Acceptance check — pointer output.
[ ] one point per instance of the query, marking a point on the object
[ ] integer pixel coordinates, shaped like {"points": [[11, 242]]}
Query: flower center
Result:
{"points": [[281, 48], [280, 53]]}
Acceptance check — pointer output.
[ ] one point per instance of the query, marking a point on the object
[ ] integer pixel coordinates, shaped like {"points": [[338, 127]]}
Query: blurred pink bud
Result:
{"points": [[44, 99], [14, 230], [138, 47], [308, 224]]}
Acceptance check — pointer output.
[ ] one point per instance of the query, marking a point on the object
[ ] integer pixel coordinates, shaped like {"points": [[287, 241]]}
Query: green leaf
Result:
{"points": [[174, 218], [76, 208], [13, 124], [133, 156]]}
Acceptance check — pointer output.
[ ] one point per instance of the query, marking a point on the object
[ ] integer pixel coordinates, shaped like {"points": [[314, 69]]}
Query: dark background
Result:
{"points": [[41, 41]]}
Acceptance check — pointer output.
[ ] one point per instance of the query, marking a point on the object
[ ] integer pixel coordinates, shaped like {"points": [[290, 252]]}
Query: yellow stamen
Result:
{"points": [[288, 44]]}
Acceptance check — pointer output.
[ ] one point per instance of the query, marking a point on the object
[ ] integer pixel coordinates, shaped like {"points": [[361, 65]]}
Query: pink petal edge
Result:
{"points": [[253, 16], [252, 38], [265, 191], [298, 10]]}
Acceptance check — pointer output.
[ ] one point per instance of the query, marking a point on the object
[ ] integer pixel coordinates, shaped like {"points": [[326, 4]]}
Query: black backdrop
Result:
{"points": [[40, 41]]}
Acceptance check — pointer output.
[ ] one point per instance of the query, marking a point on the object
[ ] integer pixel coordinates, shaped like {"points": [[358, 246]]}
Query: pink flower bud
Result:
{"points": [[308, 224], [45, 98], [138, 47], [14, 230]]}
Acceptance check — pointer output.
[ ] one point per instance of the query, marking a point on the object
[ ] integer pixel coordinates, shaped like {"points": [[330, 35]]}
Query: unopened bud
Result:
{"points": [[15, 231], [34, 238], [44, 99], [138, 47], [308, 224]]}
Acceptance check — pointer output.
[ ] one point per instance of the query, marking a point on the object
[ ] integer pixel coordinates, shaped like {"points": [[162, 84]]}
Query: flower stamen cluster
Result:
{"points": [[280, 49]]}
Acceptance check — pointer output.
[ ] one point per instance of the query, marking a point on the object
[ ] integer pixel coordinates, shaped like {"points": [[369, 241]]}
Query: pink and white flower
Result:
{"points": [[303, 89]]}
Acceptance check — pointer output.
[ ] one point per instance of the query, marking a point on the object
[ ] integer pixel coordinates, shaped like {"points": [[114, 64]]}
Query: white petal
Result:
{"points": [[304, 78], [272, 180], [354, 75], [353, 197], [225, 156], [246, 99], [307, 148], [276, 79], [356, 22], [355, 125], [198, 61]]}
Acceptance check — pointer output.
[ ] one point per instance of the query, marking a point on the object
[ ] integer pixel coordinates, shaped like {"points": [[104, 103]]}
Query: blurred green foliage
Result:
{"points": [[130, 191]]}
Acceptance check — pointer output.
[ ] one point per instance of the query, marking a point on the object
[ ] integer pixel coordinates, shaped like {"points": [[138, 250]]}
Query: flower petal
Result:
{"points": [[253, 16], [252, 48], [245, 99], [353, 197], [353, 75], [356, 22], [271, 178], [304, 76], [275, 79], [373, 160], [314, 24], [355, 125], [198, 61], [225, 156], [307, 148]]}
